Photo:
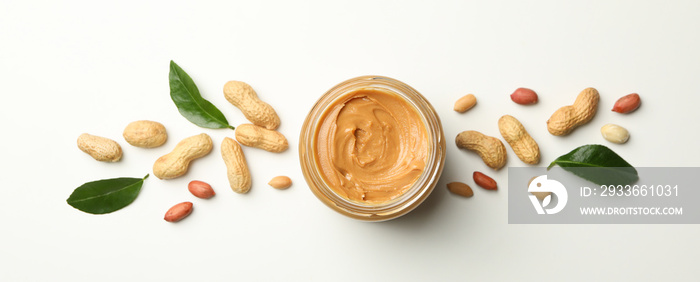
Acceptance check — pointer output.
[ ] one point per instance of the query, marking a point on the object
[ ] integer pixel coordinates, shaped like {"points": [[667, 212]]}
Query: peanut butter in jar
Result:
{"points": [[372, 148], [371, 145]]}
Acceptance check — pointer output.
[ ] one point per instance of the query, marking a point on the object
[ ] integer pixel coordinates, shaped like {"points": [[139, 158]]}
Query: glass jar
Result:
{"points": [[403, 203]]}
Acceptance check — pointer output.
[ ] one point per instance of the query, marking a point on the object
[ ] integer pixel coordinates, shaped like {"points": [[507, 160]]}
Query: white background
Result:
{"points": [[68, 67]]}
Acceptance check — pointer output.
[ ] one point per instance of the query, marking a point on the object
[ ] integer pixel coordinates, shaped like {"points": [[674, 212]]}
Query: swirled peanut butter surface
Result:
{"points": [[371, 145]]}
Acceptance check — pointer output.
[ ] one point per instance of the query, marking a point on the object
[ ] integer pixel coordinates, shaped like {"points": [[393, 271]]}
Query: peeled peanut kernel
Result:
{"points": [[100, 148], [627, 103], [484, 181], [615, 133], [524, 96], [178, 212], [461, 189], [177, 162], [145, 134], [280, 182], [255, 136], [241, 95], [465, 103], [200, 189]]}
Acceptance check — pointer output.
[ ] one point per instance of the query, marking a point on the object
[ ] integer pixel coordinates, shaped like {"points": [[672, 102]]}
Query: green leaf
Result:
{"points": [[190, 103], [598, 164], [107, 195]]}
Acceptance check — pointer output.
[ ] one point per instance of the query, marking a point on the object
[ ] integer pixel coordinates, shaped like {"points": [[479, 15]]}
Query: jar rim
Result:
{"points": [[409, 199]]}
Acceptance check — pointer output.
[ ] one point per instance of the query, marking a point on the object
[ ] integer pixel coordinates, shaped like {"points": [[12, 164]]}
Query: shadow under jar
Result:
{"points": [[372, 148]]}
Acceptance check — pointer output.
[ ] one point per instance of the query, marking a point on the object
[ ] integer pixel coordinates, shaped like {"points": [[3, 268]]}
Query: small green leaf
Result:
{"points": [[602, 165], [107, 195], [190, 103]]}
